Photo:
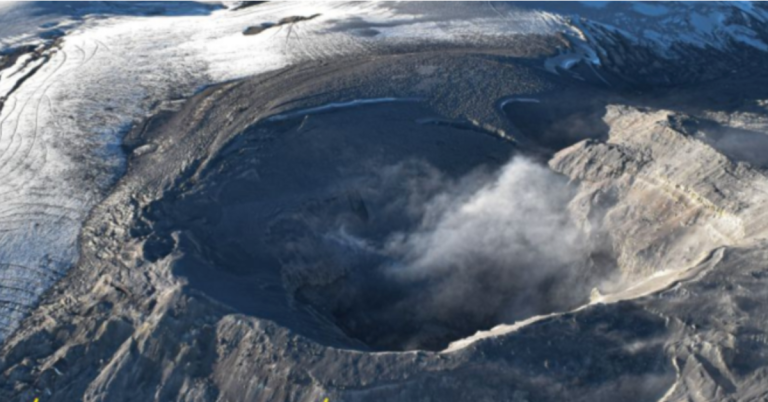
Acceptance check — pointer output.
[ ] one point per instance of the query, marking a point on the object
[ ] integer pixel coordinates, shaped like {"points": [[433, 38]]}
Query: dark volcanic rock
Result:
{"points": [[257, 29]]}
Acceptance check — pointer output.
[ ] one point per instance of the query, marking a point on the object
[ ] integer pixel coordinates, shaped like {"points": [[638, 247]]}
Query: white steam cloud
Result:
{"points": [[508, 249], [413, 258]]}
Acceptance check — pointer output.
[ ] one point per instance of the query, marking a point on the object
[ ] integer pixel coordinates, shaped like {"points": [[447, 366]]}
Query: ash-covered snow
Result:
{"points": [[664, 24]]}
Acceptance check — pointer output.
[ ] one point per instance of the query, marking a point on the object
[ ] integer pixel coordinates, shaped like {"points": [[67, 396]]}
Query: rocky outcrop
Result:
{"points": [[666, 199]]}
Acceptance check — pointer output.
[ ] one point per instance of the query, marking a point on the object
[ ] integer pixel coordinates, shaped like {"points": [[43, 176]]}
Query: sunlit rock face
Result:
{"points": [[392, 201]]}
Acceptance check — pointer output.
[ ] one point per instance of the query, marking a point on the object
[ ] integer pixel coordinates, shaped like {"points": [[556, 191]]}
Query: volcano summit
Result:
{"points": [[396, 201]]}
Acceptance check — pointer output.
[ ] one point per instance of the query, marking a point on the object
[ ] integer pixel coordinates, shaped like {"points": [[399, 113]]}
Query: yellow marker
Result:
{"points": [[325, 400], [38, 399]]}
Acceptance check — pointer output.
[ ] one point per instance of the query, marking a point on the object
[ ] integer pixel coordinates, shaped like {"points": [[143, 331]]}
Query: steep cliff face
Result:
{"points": [[671, 198]]}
